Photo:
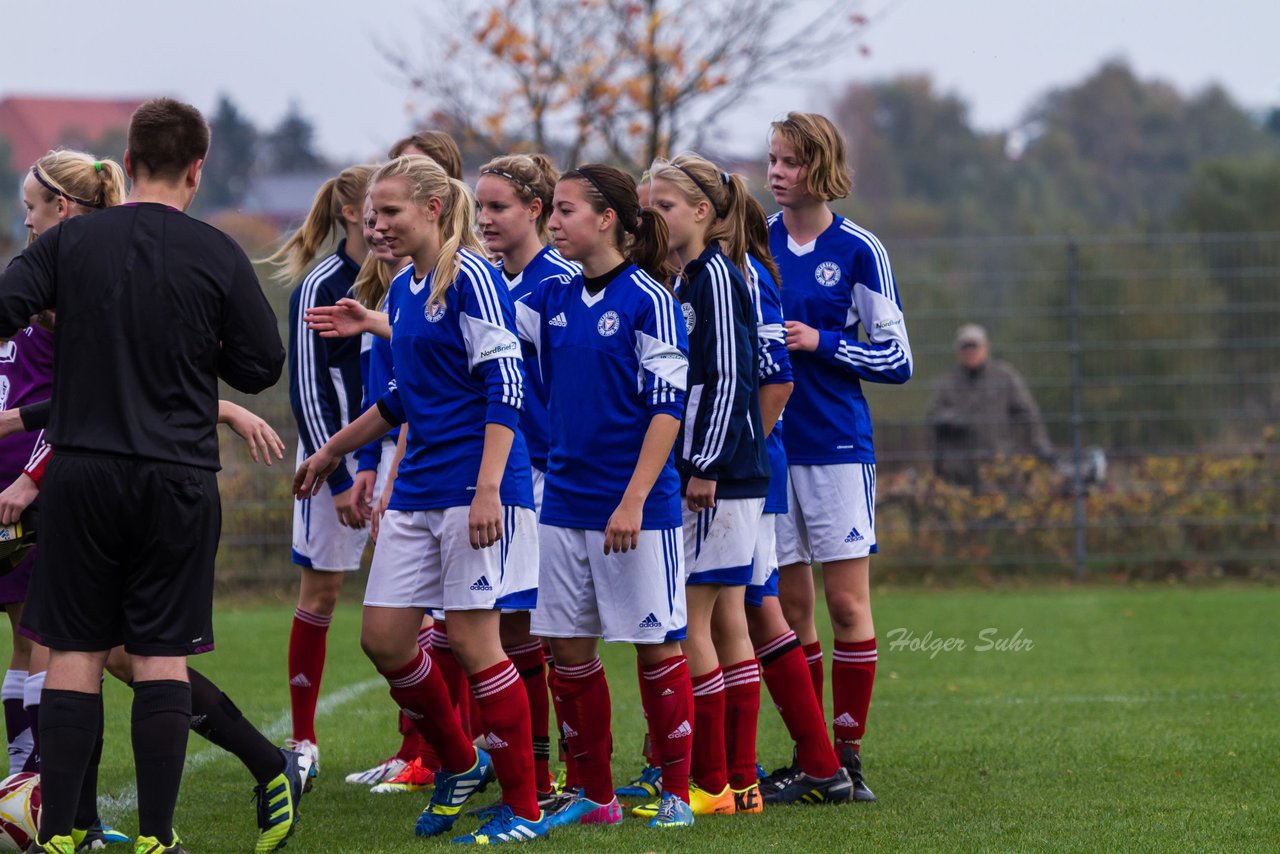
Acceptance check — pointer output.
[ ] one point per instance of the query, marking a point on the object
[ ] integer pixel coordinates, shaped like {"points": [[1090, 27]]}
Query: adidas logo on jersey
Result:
{"points": [[854, 536], [651, 622], [482, 583], [559, 320], [569, 732], [300, 681], [494, 742], [682, 731], [845, 719]]}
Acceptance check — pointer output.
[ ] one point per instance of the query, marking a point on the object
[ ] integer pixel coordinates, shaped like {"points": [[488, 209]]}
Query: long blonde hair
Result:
{"points": [[80, 179], [699, 180], [427, 180], [324, 218]]}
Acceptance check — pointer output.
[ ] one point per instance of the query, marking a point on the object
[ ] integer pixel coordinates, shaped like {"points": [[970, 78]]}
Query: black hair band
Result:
{"points": [[610, 203], [703, 187], [512, 178], [35, 171]]}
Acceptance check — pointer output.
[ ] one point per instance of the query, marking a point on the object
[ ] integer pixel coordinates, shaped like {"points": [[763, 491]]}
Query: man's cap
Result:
{"points": [[971, 335]]}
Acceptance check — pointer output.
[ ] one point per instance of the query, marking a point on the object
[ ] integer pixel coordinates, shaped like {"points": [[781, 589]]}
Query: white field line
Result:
{"points": [[1076, 699], [115, 807]]}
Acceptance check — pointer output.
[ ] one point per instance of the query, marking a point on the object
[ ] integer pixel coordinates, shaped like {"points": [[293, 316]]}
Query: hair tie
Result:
{"points": [[703, 187], [48, 185], [97, 166], [512, 178], [724, 177]]}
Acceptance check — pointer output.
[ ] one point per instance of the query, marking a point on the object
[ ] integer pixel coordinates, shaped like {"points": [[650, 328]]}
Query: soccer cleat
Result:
{"points": [[451, 792], [55, 845], [648, 784], [806, 789], [672, 812], [97, 837], [413, 777], [506, 826], [151, 845], [384, 770], [852, 763], [701, 802], [310, 758], [747, 800], [582, 810], [278, 801], [772, 784]]}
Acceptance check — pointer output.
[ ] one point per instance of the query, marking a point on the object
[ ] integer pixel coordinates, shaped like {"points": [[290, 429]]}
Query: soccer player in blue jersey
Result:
{"points": [[325, 390], [836, 280], [513, 203], [460, 533], [613, 353], [724, 472]]}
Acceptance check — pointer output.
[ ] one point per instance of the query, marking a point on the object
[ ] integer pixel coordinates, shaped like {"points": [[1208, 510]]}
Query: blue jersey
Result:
{"points": [[775, 369], [379, 375], [611, 362], [535, 421], [838, 283], [721, 438], [325, 382], [457, 368]]}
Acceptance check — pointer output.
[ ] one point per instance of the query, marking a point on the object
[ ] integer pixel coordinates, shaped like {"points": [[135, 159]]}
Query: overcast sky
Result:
{"points": [[998, 55]]}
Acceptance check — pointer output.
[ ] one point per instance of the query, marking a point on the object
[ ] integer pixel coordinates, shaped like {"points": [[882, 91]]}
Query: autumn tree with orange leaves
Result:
{"points": [[622, 80]]}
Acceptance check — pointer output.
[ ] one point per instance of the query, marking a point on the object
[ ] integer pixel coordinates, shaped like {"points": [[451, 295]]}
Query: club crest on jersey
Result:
{"points": [[827, 274], [608, 324], [690, 317], [434, 311]]}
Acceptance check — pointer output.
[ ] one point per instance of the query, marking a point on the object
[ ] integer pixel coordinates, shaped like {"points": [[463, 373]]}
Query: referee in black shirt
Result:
{"points": [[153, 307]]}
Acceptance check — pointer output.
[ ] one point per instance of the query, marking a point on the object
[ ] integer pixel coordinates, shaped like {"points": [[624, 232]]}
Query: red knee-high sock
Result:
{"points": [[419, 689], [646, 748], [853, 672], [501, 696], [669, 707], [412, 744], [306, 665], [533, 674], [813, 656], [571, 780], [582, 702], [741, 712], [786, 673], [455, 678], [708, 768]]}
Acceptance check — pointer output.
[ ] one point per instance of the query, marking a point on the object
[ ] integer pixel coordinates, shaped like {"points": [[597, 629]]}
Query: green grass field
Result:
{"points": [[1129, 719]]}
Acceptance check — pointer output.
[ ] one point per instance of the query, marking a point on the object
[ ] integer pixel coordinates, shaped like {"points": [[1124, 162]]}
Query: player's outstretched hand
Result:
{"points": [[700, 494], [622, 534], [17, 498], [484, 522], [310, 477], [801, 337], [263, 441], [343, 319]]}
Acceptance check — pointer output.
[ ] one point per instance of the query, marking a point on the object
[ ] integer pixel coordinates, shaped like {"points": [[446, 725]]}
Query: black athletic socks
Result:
{"points": [[216, 718], [70, 724], [161, 719], [87, 806]]}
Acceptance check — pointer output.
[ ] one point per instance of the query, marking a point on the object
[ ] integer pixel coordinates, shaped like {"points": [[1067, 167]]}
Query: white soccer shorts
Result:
{"points": [[424, 559], [320, 541], [539, 483], [720, 542], [764, 566], [832, 515], [631, 597]]}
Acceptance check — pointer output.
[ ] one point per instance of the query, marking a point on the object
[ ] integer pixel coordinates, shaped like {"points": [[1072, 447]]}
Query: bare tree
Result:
{"points": [[624, 79]]}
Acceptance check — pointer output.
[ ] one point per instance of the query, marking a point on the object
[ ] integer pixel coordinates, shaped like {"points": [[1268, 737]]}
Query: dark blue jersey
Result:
{"points": [[379, 374], [775, 369]]}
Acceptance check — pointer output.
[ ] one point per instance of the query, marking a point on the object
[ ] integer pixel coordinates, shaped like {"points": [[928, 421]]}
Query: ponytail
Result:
{"points": [[324, 218], [700, 180], [458, 230], [80, 179], [648, 247]]}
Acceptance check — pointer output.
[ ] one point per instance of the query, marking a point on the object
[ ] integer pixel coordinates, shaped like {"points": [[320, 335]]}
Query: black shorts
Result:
{"points": [[126, 556]]}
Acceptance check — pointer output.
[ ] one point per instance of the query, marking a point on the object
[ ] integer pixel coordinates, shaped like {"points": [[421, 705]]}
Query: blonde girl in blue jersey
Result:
{"points": [[459, 533], [612, 348], [836, 281]]}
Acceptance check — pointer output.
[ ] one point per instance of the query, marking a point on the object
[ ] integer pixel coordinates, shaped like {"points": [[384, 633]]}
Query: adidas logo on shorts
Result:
{"points": [[482, 583], [854, 536], [559, 320], [682, 731], [569, 732], [494, 742], [300, 681], [651, 622], [845, 719]]}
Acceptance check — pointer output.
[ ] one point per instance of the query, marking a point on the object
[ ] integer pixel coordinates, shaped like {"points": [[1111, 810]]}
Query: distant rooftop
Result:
{"points": [[34, 125]]}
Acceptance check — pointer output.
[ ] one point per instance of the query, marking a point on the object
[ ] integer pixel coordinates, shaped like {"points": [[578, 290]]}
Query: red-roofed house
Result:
{"points": [[34, 125]]}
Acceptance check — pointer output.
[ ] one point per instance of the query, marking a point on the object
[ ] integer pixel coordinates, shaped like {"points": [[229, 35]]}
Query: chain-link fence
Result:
{"points": [[1154, 360]]}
